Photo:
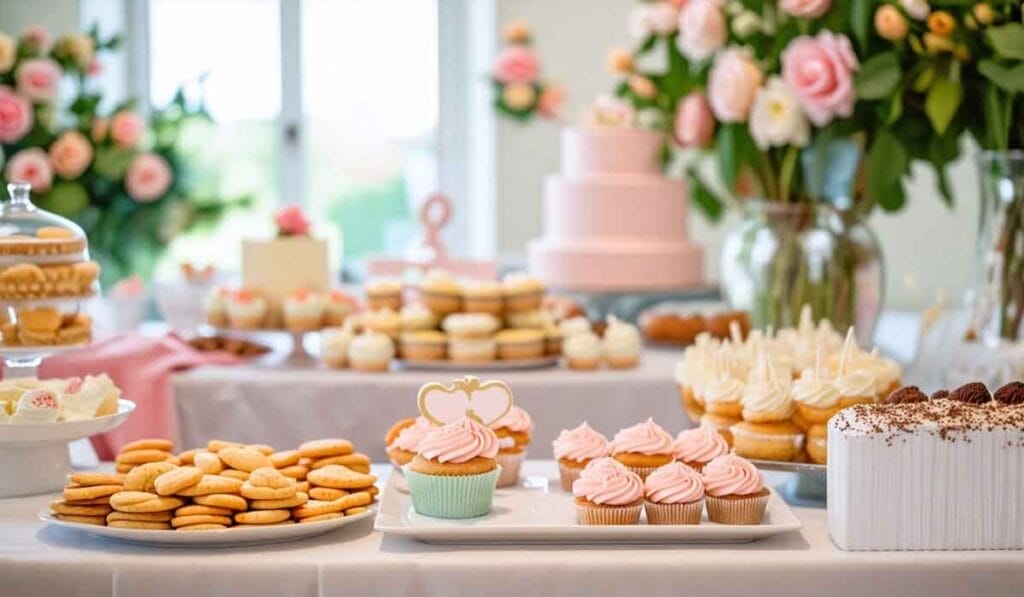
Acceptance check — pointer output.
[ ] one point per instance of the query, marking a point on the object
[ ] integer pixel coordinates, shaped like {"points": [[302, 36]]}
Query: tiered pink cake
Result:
{"points": [[611, 220]]}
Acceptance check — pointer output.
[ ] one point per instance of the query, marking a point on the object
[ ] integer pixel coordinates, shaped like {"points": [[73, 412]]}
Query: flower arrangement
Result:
{"points": [[519, 92], [118, 175]]}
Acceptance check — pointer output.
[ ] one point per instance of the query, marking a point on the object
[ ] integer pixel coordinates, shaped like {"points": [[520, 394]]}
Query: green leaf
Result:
{"points": [[648, 45], [923, 80], [1009, 78], [892, 199], [878, 76], [66, 198], [942, 102], [893, 107], [860, 20], [995, 128], [1007, 40], [706, 199], [885, 164], [728, 160]]}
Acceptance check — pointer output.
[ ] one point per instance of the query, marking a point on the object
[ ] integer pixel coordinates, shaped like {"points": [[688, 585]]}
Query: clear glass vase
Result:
{"points": [[783, 256], [998, 298]]}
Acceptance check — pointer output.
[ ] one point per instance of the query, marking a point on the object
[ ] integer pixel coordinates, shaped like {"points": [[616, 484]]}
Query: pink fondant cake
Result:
{"points": [[611, 220]]}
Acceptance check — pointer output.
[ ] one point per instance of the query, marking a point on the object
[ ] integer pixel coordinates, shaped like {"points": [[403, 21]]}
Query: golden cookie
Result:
{"points": [[143, 456], [348, 460], [262, 516], [321, 448], [261, 448], [195, 509], [326, 493], [340, 477], [302, 486], [188, 456], [164, 445], [124, 468], [268, 493], [222, 500], [141, 478], [234, 474], [212, 484], [100, 501], [203, 527], [244, 459], [269, 477], [143, 501], [62, 508], [249, 526], [295, 471], [208, 462], [184, 521], [216, 445], [73, 494], [90, 479], [139, 524], [372, 490], [314, 508], [173, 460], [97, 520], [177, 479], [286, 458], [356, 510], [296, 500], [322, 517], [140, 516]]}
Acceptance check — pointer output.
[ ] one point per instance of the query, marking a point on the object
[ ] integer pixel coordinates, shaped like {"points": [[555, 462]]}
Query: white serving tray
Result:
{"points": [[538, 511], [65, 431], [229, 537]]}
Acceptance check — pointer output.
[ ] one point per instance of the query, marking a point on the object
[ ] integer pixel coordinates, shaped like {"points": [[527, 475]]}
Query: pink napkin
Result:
{"points": [[141, 367]]}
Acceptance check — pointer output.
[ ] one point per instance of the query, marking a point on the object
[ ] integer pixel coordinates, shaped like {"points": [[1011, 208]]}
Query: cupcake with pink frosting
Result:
{"points": [[642, 447], [576, 448], [735, 491], [403, 438], [608, 493], [513, 431], [454, 471], [674, 494], [697, 447]]}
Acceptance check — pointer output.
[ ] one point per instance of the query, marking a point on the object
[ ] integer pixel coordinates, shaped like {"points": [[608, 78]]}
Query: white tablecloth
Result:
{"points": [[285, 406], [40, 560]]}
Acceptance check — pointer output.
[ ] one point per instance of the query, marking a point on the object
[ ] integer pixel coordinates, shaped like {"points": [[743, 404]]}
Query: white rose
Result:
{"points": [[702, 29], [637, 24], [746, 24], [776, 118], [663, 18], [917, 9]]}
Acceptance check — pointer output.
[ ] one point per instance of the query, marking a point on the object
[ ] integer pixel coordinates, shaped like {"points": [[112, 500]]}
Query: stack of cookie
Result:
{"points": [[86, 497]]}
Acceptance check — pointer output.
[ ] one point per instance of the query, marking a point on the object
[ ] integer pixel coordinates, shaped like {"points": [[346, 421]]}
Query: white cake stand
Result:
{"points": [[34, 457], [281, 341]]}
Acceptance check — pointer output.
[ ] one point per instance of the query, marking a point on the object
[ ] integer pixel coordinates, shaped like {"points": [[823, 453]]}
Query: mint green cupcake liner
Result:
{"points": [[452, 496]]}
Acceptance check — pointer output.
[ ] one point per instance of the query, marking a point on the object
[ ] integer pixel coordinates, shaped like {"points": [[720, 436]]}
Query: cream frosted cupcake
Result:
{"points": [[304, 311], [552, 340], [338, 306], [735, 491], [416, 316], [575, 325], [621, 344], [533, 319], [334, 343], [521, 292], [513, 431], [472, 350], [423, 345], [371, 351], [607, 493], [383, 321], [440, 292], [383, 293], [404, 437], [816, 399], [582, 351], [574, 449], [766, 431], [674, 494], [855, 385], [697, 447], [520, 344], [246, 309], [642, 447], [723, 395], [482, 296], [470, 325], [215, 306]]}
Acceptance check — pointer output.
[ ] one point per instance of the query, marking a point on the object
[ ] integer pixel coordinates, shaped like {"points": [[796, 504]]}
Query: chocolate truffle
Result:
{"points": [[940, 395], [907, 395], [971, 393], [1011, 393]]}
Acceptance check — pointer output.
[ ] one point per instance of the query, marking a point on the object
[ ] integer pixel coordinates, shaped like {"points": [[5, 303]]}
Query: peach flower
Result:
{"points": [[126, 128], [805, 9], [99, 129], [702, 29], [642, 87], [16, 117], [8, 53], [79, 47], [31, 166], [516, 32], [518, 96], [694, 123], [149, 176], [551, 101], [620, 61], [291, 221], [38, 79], [70, 154], [819, 70], [890, 23], [36, 38], [732, 84], [516, 64]]}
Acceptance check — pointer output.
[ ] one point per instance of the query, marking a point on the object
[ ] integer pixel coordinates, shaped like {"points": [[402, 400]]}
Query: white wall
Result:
{"points": [[926, 246]]}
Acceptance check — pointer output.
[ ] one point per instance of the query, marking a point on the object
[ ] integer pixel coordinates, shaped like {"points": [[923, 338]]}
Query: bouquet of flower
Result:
{"points": [[519, 92], [118, 176]]}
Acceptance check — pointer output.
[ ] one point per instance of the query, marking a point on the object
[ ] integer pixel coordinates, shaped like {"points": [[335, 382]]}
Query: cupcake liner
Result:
{"points": [[643, 471], [510, 465], [568, 474], [674, 513], [697, 466], [452, 496], [747, 509], [589, 514]]}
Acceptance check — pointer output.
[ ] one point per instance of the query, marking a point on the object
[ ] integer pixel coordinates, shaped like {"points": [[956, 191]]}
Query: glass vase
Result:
{"points": [[781, 257]]}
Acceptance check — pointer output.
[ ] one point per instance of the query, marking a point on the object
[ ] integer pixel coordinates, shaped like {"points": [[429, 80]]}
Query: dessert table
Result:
{"points": [[45, 560]]}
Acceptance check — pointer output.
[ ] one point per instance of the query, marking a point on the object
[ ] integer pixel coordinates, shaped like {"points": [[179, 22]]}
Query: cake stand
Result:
{"points": [[281, 341], [34, 457], [805, 487]]}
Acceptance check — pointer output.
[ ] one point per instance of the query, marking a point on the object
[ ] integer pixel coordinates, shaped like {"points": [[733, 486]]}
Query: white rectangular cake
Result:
{"points": [[936, 475]]}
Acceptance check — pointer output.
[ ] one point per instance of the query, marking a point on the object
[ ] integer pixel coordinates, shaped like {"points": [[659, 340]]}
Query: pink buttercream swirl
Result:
{"points": [[409, 438], [458, 442], [674, 483], [516, 420], [643, 438], [605, 481], [579, 444], [702, 444], [731, 475]]}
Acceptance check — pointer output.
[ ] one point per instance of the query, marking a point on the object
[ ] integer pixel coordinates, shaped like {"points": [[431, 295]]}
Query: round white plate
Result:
{"points": [[496, 365], [223, 538], [20, 352], [65, 431]]}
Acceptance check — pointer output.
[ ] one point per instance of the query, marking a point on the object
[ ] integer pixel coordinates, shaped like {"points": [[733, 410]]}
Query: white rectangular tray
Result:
{"points": [[539, 511]]}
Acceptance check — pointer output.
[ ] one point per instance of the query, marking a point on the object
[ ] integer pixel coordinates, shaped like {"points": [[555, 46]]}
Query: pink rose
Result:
{"points": [[15, 115], [126, 128], [702, 29], [516, 64], [99, 129], [31, 166], [95, 68], [38, 79], [805, 9], [819, 70], [291, 221], [149, 176], [732, 84], [695, 124], [36, 38], [70, 154], [551, 101]]}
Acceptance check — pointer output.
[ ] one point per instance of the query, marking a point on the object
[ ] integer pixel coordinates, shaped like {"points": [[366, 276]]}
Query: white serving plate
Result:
{"points": [[21, 352], [538, 511], [230, 537], [64, 431], [495, 365]]}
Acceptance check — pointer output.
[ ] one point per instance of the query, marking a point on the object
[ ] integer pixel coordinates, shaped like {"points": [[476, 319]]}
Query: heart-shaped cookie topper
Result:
{"points": [[485, 402]]}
